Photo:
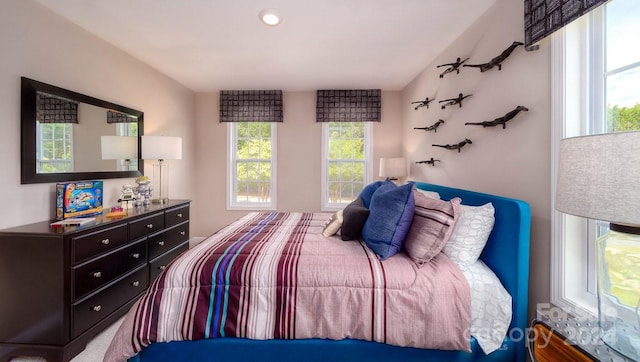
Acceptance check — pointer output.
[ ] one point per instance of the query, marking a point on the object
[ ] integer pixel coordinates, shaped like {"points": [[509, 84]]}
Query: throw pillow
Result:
{"points": [[367, 191], [431, 228], [391, 213], [333, 224], [470, 234], [353, 219]]}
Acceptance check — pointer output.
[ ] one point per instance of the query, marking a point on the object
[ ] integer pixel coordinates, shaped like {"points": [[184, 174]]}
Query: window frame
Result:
{"points": [[573, 261], [368, 164], [39, 147], [231, 204]]}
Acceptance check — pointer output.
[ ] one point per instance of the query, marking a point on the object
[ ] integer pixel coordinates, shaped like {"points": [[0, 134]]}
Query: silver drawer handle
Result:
{"points": [[179, 215], [135, 284], [149, 226], [135, 255], [96, 274], [105, 241], [183, 233], [96, 308], [162, 267], [161, 243]]}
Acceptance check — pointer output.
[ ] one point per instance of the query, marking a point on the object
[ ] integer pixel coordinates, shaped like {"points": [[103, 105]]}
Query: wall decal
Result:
{"points": [[497, 61], [454, 101], [433, 127], [455, 66], [457, 146], [500, 120], [424, 103], [431, 162]]}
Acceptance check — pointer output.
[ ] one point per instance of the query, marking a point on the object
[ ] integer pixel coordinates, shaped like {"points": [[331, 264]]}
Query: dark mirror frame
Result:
{"points": [[28, 173]]}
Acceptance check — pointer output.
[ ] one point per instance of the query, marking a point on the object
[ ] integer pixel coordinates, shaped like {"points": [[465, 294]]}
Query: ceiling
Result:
{"points": [[208, 45]]}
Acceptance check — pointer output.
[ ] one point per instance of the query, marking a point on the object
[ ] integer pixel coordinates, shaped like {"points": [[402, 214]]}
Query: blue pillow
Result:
{"points": [[367, 191], [390, 217]]}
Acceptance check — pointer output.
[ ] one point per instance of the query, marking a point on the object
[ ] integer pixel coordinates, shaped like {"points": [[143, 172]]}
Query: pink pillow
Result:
{"points": [[432, 225]]}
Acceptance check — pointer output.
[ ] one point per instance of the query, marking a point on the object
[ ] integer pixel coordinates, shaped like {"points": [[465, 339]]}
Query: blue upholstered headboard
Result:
{"points": [[507, 251]]}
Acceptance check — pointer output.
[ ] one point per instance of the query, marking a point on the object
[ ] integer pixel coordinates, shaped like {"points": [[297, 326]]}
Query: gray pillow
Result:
{"points": [[353, 218]]}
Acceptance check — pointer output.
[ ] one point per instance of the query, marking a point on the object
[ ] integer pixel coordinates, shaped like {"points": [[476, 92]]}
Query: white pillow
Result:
{"points": [[430, 194], [332, 225], [470, 234], [491, 307]]}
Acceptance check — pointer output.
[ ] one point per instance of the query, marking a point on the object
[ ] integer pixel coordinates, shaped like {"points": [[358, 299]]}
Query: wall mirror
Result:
{"points": [[68, 136]]}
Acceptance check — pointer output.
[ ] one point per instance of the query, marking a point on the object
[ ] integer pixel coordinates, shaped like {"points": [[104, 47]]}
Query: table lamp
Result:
{"points": [[161, 148], [393, 168], [123, 148], [599, 178]]}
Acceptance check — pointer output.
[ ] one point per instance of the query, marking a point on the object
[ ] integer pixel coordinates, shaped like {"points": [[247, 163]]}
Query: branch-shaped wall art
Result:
{"points": [[455, 66], [500, 120], [431, 162], [424, 103], [457, 146], [454, 101], [497, 61], [433, 127]]}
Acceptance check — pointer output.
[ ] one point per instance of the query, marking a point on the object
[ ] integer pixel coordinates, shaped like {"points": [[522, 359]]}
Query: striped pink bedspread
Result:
{"points": [[273, 275]]}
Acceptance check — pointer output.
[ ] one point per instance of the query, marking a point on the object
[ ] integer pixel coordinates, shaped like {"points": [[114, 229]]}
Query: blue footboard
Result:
{"points": [[507, 253]]}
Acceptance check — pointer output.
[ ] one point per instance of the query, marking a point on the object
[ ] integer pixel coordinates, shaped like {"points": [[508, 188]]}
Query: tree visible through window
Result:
{"points": [[252, 163], [346, 161], [54, 147]]}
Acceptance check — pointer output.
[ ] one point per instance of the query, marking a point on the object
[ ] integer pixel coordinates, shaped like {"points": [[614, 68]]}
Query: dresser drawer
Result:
{"points": [[92, 275], [90, 311], [146, 225], [158, 265], [176, 216], [162, 242], [89, 245]]}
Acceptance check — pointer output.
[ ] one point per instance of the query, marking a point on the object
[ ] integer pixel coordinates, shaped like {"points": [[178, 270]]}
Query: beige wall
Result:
{"points": [[515, 161], [40, 45], [299, 157]]}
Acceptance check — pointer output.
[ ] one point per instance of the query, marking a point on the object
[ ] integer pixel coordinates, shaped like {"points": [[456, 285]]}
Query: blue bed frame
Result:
{"points": [[507, 253]]}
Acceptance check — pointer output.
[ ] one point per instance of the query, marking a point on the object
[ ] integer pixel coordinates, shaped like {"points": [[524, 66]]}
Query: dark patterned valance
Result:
{"points": [[351, 105], [543, 17], [50, 109], [117, 117], [251, 106]]}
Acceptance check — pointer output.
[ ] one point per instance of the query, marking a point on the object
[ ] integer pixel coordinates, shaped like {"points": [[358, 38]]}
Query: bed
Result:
{"points": [[506, 254]]}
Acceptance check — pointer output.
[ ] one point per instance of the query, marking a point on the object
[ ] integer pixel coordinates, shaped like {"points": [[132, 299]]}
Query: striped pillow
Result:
{"points": [[432, 225]]}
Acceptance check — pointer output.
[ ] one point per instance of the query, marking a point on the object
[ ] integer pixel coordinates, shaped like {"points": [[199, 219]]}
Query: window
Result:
{"points": [[252, 165], [346, 162], [596, 69], [54, 147]]}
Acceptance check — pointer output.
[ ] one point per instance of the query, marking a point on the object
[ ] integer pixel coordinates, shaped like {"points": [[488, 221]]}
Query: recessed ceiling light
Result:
{"points": [[270, 17]]}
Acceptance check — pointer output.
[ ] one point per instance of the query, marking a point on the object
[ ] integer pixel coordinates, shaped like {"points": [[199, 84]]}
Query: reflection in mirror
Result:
{"points": [[63, 134]]}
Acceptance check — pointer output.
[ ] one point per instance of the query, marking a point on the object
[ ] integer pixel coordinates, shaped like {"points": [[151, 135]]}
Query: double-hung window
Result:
{"points": [[54, 147], [347, 162], [252, 165], [595, 77]]}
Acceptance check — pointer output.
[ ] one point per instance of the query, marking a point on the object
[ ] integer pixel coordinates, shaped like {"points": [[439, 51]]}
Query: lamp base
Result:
{"points": [[159, 201], [618, 257]]}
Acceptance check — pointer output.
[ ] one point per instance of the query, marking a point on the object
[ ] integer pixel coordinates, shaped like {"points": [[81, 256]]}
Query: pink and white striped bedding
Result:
{"points": [[273, 275]]}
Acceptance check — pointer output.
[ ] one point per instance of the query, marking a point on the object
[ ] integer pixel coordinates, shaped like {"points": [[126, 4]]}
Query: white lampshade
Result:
{"points": [[599, 177], [395, 167], [119, 147], [161, 148]]}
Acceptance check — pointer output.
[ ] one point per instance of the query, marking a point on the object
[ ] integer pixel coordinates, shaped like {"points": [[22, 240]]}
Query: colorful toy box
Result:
{"points": [[78, 199]]}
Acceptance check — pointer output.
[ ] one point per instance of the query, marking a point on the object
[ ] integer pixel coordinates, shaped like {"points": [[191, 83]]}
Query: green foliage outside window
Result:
{"points": [[253, 161], [621, 119], [346, 163]]}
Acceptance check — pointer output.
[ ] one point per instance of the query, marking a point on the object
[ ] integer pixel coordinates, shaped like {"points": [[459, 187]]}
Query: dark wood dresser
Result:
{"points": [[62, 286]]}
